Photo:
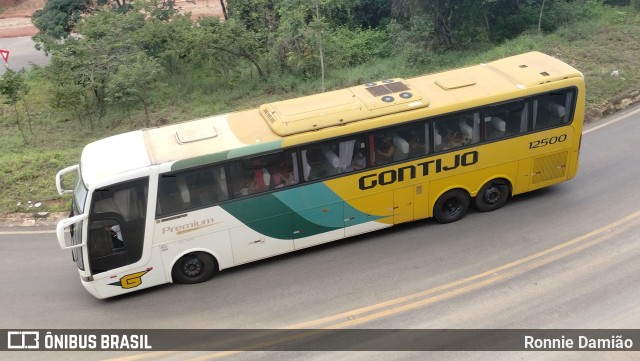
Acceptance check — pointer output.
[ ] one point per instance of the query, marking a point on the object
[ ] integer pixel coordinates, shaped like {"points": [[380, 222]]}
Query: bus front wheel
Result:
{"points": [[492, 195], [451, 206], [194, 268]]}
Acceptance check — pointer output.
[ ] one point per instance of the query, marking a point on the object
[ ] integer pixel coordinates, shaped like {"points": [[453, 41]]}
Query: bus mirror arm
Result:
{"points": [[65, 223], [61, 173]]}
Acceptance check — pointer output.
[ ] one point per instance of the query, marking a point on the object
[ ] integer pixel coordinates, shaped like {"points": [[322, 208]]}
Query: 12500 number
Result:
{"points": [[547, 141]]}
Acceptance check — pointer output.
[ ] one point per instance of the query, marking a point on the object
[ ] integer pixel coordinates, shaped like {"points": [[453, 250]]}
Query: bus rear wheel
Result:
{"points": [[194, 268], [451, 206], [492, 195]]}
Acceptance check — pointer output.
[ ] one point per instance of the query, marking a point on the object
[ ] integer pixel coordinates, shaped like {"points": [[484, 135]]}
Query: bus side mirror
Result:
{"points": [[67, 223], [62, 173]]}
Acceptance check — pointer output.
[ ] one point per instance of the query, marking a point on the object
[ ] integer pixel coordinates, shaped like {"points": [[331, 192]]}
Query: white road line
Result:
{"points": [[52, 231]]}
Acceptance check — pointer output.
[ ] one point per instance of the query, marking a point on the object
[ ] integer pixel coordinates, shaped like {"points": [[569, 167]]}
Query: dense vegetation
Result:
{"points": [[118, 65]]}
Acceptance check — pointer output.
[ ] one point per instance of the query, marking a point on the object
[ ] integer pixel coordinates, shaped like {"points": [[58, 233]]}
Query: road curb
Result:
{"points": [[32, 219]]}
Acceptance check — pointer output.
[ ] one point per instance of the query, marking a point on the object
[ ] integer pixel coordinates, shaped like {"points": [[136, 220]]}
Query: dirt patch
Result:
{"points": [[620, 103], [199, 8], [15, 15], [32, 219]]}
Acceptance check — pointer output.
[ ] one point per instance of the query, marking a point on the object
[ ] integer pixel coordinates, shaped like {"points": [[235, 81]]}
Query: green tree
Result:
{"points": [[58, 17], [74, 78], [156, 9], [168, 43], [68, 93], [299, 37], [227, 42], [135, 80], [14, 88], [121, 6], [83, 66]]}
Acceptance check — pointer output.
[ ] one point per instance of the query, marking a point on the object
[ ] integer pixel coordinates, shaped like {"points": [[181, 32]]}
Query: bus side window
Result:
{"points": [[401, 142], [417, 137], [263, 173], [185, 190], [284, 172], [553, 109], [173, 195], [456, 130], [206, 186], [248, 179], [385, 148], [506, 120], [328, 159]]}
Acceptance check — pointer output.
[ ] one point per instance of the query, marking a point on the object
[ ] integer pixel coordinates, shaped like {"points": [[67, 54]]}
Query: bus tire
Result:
{"points": [[451, 206], [194, 268], [492, 195]]}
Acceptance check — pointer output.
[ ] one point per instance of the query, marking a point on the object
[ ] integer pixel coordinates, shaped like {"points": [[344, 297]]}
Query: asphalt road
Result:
{"points": [[562, 257], [22, 54]]}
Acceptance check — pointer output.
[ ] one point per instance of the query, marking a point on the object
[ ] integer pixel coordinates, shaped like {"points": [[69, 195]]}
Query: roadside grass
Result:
{"points": [[605, 49]]}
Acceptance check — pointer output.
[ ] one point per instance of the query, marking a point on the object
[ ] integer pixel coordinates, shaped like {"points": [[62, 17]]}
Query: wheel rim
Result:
{"points": [[492, 195], [192, 267], [452, 207]]}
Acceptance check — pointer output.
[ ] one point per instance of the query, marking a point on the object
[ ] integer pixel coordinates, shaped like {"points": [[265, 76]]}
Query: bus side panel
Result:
{"points": [[113, 283], [249, 245], [421, 201], [403, 204], [318, 224], [205, 230], [410, 203], [524, 176], [368, 213], [549, 169]]}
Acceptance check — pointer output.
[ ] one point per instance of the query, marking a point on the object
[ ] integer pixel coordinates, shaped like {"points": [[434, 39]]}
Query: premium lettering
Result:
{"points": [[195, 225], [422, 169]]}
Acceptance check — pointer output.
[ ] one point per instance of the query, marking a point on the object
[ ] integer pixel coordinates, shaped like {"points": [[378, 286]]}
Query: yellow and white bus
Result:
{"points": [[181, 202]]}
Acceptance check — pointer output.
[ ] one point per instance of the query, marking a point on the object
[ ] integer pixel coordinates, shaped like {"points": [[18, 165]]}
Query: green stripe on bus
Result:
{"points": [[255, 149], [294, 213], [222, 156], [199, 161]]}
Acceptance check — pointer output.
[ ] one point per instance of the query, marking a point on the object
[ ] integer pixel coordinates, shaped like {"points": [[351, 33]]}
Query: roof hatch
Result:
{"points": [[455, 82], [195, 135], [341, 106]]}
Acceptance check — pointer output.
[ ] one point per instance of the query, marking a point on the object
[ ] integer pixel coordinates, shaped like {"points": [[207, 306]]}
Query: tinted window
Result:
{"points": [[552, 109], [505, 120], [335, 157], [116, 225], [191, 189], [263, 173], [456, 130], [398, 143]]}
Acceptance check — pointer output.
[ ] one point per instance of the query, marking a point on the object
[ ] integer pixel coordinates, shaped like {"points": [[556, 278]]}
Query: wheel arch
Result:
{"points": [[169, 270], [510, 184], [434, 197]]}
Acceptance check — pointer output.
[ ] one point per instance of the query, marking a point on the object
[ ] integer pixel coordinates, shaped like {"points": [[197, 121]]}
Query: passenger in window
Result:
{"points": [[453, 139], [248, 187], [282, 177], [359, 161], [416, 145], [206, 193], [384, 149], [115, 234]]}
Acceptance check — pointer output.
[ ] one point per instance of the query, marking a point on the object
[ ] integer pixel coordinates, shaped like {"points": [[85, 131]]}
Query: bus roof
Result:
{"points": [[324, 115]]}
